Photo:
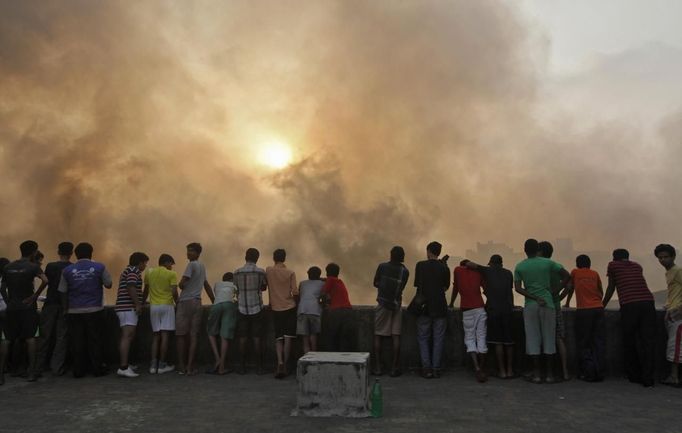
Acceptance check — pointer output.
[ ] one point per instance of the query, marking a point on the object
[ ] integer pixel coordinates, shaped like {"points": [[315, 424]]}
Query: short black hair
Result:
{"points": [[397, 254], [252, 255], [621, 254], [434, 248], [665, 248], [228, 276], [333, 270], [65, 249], [137, 258], [279, 255], [530, 247], [28, 248], [39, 255], [83, 251], [464, 262], [314, 273], [196, 246], [166, 259], [583, 261], [546, 249], [496, 259]]}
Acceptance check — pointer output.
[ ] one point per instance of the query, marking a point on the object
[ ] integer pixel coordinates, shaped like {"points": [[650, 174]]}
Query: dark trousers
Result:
{"points": [[54, 345], [341, 330], [638, 322], [590, 331], [86, 332]]}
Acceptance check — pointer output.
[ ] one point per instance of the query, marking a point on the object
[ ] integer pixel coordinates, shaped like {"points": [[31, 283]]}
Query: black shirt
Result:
{"points": [[390, 280], [499, 288], [432, 279], [18, 279], [53, 272]]}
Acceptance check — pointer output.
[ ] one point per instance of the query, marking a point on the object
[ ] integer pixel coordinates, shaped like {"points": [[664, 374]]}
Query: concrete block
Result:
{"points": [[333, 384]]}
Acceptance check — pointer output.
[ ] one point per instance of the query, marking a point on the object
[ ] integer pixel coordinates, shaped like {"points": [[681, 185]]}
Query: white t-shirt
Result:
{"points": [[224, 291]]}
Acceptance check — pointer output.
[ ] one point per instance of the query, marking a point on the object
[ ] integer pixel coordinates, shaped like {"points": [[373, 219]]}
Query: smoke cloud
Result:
{"points": [[138, 127]]}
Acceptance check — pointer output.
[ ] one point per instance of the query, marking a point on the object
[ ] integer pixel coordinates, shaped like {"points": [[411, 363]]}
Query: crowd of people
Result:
{"points": [[72, 318]]}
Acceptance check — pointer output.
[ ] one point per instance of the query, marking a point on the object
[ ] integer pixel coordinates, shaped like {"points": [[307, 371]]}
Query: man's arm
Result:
{"points": [[131, 288], [183, 282], [174, 291], [209, 291], [64, 296], [34, 297], [107, 282], [376, 277], [145, 293], [455, 291], [568, 293], [609, 291], [525, 293], [3, 290]]}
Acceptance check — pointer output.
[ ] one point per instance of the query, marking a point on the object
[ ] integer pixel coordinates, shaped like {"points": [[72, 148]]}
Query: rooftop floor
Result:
{"points": [[250, 403]]}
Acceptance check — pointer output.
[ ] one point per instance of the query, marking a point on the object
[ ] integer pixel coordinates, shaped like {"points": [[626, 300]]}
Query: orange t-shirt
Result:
{"points": [[587, 283]]}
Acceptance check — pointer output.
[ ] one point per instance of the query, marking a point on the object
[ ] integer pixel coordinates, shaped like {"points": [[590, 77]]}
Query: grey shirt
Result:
{"points": [[196, 272], [309, 291]]}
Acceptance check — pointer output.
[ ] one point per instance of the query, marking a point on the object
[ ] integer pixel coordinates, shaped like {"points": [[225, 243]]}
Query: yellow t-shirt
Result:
{"points": [[673, 277], [160, 282]]}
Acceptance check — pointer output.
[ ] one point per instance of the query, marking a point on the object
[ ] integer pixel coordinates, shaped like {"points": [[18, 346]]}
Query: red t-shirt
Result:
{"points": [[337, 292], [468, 284]]}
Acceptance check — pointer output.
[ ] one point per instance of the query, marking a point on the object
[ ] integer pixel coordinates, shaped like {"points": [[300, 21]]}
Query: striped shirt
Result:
{"points": [[250, 281], [629, 281], [131, 276]]}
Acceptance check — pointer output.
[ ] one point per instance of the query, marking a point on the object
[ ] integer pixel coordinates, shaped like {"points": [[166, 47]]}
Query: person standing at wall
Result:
{"points": [[308, 320], [282, 288], [498, 283], [673, 311], [390, 280], [468, 283], [82, 300], [546, 250], [637, 316], [161, 285], [129, 307], [53, 330], [188, 313], [532, 279], [339, 315], [18, 291], [432, 280], [251, 282]]}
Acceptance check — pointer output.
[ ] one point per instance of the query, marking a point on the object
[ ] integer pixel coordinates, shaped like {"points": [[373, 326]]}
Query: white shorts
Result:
{"points": [[674, 349], [475, 330], [127, 318], [162, 317]]}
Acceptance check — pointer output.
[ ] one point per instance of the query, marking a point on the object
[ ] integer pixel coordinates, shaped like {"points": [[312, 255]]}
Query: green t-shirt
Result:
{"points": [[536, 274], [555, 282]]}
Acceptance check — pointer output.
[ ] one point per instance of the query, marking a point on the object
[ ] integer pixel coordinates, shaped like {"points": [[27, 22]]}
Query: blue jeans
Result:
{"points": [[426, 328]]}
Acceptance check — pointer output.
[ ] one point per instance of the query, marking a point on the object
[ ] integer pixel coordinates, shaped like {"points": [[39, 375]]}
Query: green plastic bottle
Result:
{"points": [[376, 398]]}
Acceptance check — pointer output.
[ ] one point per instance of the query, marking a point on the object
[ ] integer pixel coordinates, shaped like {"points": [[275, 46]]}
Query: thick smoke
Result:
{"points": [[136, 127]]}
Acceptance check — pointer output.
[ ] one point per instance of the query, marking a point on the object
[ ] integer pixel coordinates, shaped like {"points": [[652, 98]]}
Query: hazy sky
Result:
{"points": [[579, 31], [146, 126]]}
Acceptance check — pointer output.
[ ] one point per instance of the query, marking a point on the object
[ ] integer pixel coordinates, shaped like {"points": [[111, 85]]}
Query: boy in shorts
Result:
{"points": [[309, 309], [188, 314], [161, 285], [222, 321], [129, 307], [18, 291]]}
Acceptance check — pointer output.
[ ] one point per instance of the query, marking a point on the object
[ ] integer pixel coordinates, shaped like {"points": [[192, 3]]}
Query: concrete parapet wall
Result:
{"points": [[455, 352]]}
